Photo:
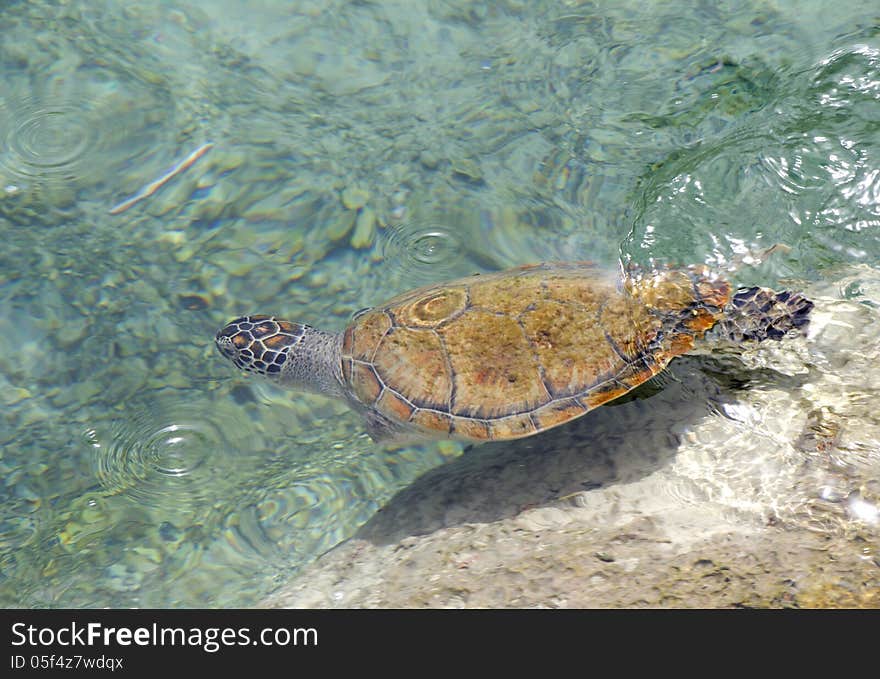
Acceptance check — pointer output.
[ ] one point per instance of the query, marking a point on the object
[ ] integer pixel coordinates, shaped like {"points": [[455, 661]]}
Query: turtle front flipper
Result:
{"points": [[760, 313]]}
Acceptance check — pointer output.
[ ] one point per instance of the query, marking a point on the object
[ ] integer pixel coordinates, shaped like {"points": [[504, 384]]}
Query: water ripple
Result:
{"points": [[48, 139], [810, 181], [849, 76], [79, 127], [419, 253], [163, 455]]}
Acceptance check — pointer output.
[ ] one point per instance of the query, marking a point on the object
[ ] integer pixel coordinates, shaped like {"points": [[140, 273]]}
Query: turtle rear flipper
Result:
{"points": [[760, 313]]}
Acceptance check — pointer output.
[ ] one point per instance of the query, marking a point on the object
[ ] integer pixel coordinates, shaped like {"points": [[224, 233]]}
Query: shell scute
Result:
{"points": [[570, 345], [363, 336], [495, 370], [413, 362]]}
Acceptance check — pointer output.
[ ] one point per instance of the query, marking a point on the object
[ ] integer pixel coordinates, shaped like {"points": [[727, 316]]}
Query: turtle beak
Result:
{"points": [[225, 345]]}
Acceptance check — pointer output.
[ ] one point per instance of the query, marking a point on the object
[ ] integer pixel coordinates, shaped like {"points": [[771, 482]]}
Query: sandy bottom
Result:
{"points": [[505, 565]]}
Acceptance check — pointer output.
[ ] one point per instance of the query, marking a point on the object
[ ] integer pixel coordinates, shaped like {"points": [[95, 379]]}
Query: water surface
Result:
{"points": [[360, 149]]}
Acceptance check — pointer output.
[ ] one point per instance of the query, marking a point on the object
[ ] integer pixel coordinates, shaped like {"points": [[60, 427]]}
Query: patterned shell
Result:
{"points": [[511, 354]]}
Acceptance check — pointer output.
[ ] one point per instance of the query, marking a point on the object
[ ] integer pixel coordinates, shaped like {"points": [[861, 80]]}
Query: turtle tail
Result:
{"points": [[760, 313]]}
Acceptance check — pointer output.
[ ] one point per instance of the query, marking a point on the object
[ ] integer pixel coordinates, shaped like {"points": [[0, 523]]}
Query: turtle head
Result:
{"points": [[291, 354], [259, 344]]}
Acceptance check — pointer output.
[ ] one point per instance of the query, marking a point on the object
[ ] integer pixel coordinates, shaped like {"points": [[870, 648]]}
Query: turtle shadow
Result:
{"points": [[616, 444]]}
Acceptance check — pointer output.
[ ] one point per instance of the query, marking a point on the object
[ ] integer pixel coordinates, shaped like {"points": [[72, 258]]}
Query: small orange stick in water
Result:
{"points": [[154, 186]]}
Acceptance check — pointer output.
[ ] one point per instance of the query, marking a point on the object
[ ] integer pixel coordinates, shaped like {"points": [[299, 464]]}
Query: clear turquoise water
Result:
{"points": [[358, 149]]}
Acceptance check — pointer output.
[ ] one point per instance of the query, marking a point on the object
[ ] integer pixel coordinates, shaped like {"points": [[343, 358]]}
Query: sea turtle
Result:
{"points": [[509, 354]]}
